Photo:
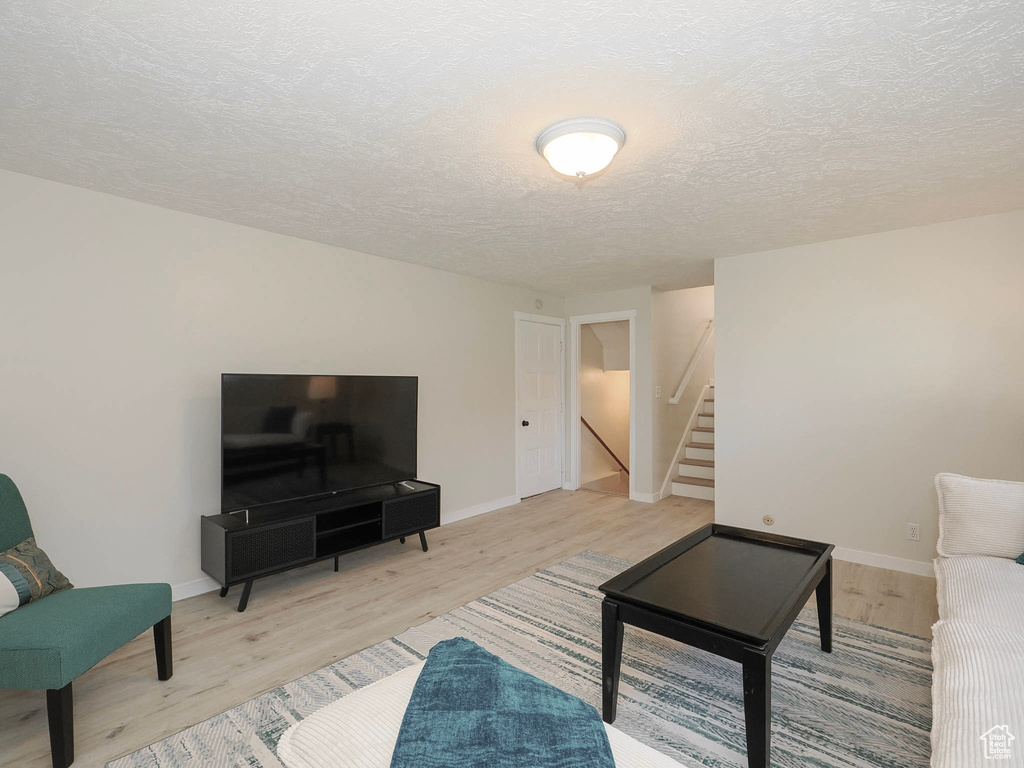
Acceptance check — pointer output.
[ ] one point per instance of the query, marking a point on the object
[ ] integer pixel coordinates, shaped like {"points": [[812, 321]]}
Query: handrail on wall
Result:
{"points": [[697, 354], [604, 445]]}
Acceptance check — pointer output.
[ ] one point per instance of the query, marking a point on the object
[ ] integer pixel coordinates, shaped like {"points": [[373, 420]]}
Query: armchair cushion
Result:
{"points": [[48, 643]]}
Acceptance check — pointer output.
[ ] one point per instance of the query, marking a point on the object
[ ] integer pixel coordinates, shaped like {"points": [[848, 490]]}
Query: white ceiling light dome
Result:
{"points": [[581, 146]]}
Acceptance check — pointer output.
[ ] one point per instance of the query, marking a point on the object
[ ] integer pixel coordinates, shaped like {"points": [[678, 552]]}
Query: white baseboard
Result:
{"points": [[647, 498], [192, 588], [884, 561], [478, 509], [569, 487]]}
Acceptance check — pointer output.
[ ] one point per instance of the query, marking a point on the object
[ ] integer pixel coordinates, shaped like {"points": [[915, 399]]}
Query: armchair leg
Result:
{"points": [[162, 641], [61, 716]]}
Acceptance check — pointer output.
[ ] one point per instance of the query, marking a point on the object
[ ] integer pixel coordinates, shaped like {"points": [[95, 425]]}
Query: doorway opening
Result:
{"points": [[604, 406]]}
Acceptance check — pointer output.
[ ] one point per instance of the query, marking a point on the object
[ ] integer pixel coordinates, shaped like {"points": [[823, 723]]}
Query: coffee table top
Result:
{"points": [[745, 583]]}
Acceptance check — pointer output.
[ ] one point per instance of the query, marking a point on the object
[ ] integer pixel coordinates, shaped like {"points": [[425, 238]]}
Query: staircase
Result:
{"points": [[696, 477]]}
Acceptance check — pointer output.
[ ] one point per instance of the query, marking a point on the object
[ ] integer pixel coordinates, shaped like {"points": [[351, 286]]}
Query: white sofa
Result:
{"points": [[978, 642]]}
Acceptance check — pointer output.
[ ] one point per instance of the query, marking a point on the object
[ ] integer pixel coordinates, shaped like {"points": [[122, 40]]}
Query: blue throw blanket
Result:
{"points": [[470, 709]]}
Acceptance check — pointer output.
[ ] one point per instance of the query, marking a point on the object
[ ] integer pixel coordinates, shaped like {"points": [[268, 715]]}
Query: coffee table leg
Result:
{"points": [[757, 707], [824, 595], [611, 657]]}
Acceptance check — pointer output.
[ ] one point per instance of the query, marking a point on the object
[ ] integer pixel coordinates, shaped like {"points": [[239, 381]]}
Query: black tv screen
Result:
{"points": [[287, 436]]}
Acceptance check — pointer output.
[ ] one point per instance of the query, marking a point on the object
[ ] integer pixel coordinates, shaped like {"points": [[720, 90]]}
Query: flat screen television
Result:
{"points": [[286, 437]]}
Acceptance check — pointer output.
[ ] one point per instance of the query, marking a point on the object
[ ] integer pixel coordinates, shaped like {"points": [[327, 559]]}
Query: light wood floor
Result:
{"points": [[617, 484], [303, 620]]}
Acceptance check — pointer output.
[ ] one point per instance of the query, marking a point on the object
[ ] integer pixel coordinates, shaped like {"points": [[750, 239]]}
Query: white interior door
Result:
{"points": [[539, 406]]}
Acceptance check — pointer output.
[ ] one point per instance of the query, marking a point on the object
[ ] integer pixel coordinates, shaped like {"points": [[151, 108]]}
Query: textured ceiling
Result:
{"points": [[406, 129]]}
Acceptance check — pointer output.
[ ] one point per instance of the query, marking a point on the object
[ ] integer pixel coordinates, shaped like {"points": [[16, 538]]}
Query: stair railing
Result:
{"points": [[605, 445], [698, 353]]}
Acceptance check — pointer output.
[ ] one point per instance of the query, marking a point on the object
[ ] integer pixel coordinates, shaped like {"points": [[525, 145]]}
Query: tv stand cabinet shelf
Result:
{"points": [[240, 547]]}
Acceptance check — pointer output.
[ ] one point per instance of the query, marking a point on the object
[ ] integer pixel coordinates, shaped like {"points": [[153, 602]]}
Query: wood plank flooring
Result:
{"points": [[617, 484], [303, 620]]}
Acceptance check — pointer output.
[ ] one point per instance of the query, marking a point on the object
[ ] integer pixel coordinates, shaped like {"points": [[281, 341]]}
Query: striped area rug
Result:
{"points": [[866, 704]]}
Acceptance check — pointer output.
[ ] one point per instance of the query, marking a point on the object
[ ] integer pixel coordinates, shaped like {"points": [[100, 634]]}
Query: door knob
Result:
{"points": [[526, 423]]}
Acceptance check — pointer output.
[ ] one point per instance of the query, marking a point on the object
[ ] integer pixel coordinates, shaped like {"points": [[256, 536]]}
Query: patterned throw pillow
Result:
{"points": [[26, 573]]}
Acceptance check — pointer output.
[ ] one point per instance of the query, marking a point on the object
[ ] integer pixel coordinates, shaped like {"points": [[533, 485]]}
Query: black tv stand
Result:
{"points": [[240, 547], [401, 540]]}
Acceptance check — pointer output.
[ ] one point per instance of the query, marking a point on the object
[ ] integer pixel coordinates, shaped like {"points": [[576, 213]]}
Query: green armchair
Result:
{"points": [[51, 641]]}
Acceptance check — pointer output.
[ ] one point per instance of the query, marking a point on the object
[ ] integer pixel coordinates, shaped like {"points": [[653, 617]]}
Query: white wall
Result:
{"points": [[848, 373], [614, 339], [638, 299], [679, 319], [118, 319], [604, 403]]}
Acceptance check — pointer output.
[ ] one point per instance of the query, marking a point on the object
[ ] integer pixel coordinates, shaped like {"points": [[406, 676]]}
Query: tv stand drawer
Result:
{"points": [[270, 548], [414, 513]]}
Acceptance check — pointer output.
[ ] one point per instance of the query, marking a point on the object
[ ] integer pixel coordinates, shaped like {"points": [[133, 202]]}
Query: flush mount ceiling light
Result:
{"points": [[580, 146]]}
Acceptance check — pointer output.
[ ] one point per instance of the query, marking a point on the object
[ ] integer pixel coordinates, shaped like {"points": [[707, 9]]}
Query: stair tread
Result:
{"points": [[707, 483], [709, 446], [698, 462], [704, 429], [709, 399]]}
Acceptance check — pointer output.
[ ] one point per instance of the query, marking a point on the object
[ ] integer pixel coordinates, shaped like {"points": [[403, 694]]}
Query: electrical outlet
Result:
{"points": [[657, 391], [768, 520], [913, 531]]}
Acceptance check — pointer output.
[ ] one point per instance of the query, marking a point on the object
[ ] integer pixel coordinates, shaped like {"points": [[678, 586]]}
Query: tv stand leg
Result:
{"points": [[423, 540], [223, 591], [244, 601], [401, 540], [335, 565]]}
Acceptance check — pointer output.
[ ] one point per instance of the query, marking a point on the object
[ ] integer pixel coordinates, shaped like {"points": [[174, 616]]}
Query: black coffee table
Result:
{"points": [[730, 591]]}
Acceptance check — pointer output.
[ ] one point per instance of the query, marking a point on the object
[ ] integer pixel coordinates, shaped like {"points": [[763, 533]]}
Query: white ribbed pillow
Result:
{"points": [[980, 517]]}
